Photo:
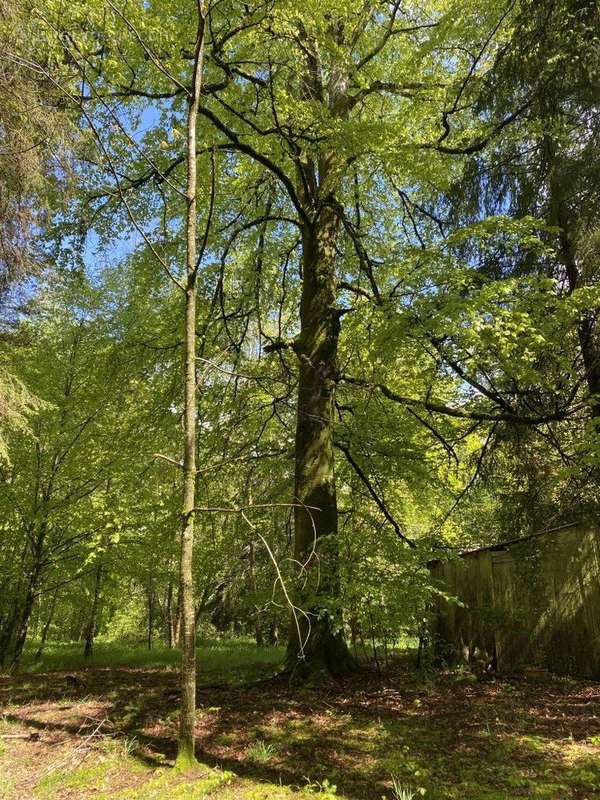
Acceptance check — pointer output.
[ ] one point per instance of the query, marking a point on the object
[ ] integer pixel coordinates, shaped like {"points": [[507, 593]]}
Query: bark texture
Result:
{"points": [[316, 642]]}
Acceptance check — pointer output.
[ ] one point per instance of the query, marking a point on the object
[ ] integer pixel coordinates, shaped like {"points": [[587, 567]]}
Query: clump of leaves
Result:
{"points": [[16, 403]]}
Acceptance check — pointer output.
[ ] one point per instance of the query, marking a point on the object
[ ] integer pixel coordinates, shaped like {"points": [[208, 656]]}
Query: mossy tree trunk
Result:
{"points": [[316, 643]]}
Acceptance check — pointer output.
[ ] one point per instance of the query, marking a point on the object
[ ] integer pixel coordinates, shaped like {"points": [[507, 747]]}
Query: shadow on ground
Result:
{"points": [[448, 739]]}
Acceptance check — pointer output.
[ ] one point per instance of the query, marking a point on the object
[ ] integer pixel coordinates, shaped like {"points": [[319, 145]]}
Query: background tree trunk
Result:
{"points": [[46, 628], [560, 216], [18, 635], [170, 614], [150, 614], [93, 620]]}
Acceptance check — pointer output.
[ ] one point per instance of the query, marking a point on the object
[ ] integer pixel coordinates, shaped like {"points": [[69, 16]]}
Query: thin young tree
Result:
{"points": [[93, 105], [187, 720]]}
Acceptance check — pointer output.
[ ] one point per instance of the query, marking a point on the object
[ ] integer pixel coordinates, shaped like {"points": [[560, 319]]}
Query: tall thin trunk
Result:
{"points": [[46, 629], [90, 631], [274, 633], [187, 719], [150, 615], [257, 616], [171, 639]]}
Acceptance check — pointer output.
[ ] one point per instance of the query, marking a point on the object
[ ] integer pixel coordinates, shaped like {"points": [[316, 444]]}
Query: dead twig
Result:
{"points": [[76, 757]]}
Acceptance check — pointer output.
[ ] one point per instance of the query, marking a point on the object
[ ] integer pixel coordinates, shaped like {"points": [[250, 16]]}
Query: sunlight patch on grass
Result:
{"points": [[110, 765], [175, 785], [246, 789], [81, 778], [6, 788], [239, 659]]}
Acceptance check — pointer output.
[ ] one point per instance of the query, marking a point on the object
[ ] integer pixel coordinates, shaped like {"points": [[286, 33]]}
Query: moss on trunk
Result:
{"points": [[316, 642]]}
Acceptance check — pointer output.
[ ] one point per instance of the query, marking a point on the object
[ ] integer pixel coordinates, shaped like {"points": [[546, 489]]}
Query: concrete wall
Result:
{"points": [[534, 602]]}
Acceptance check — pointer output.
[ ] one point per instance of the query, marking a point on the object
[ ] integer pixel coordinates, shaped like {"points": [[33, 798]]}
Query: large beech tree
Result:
{"points": [[336, 98], [320, 246]]}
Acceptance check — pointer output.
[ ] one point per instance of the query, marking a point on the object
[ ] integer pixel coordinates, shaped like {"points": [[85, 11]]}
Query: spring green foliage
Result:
{"points": [[463, 271], [34, 169]]}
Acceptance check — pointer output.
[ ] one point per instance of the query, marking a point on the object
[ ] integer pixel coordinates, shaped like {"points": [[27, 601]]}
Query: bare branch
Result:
{"points": [[378, 501], [169, 460], [450, 411]]}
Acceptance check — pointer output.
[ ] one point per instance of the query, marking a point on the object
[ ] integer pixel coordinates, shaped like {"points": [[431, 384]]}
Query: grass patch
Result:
{"points": [[261, 752], [80, 778], [173, 785], [238, 659]]}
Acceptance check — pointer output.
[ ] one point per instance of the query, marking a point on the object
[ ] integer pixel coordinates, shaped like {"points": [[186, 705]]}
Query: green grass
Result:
{"points": [[216, 657], [238, 659], [167, 784], [261, 752]]}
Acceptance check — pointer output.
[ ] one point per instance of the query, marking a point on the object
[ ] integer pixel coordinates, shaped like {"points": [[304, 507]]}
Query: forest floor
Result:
{"points": [[108, 731]]}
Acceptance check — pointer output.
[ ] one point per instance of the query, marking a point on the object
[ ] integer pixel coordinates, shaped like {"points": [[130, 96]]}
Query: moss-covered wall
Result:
{"points": [[535, 602]]}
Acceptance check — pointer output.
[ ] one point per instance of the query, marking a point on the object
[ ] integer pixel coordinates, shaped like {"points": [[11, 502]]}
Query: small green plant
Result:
{"points": [[324, 788], [128, 746], [261, 752], [401, 792], [117, 747]]}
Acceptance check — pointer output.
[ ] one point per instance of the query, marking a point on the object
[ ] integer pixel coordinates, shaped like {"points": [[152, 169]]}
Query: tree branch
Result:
{"points": [[378, 501], [450, 411], [248, 150]]}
